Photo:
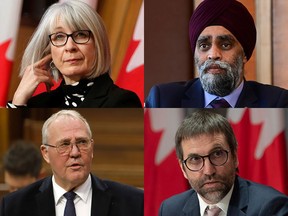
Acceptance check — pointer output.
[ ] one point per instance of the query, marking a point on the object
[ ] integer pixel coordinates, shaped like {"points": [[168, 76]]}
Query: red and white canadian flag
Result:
{"points": [[261, 145], [10, 11], [131, 75], [163, 177]]}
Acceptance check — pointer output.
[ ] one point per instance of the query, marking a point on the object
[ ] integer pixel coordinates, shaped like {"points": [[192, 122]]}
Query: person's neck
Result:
{"points": [[72, 80]]}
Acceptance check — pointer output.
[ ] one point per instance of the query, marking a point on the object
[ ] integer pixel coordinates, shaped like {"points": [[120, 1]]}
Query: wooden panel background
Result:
{"points": [[119, 17], [117, 133], [167, 49]]}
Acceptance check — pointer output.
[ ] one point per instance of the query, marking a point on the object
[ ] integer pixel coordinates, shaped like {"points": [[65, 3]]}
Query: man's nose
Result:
{"points": [[214, 53], [208, 168]]}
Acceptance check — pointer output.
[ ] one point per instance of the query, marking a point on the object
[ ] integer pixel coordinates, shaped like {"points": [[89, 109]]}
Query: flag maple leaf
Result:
{"points": [[261, 146], [163, 177], [131, 75]]}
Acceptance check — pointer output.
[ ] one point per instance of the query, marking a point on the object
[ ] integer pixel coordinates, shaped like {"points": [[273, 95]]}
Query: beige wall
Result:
{"points": [[280, 45]]}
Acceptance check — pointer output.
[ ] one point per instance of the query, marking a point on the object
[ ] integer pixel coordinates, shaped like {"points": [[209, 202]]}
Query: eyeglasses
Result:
{"points": [[195, 163], [64, 148], [60, 39]]}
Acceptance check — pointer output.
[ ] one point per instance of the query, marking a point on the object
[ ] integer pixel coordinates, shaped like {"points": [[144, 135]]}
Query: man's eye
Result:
{"points": [[64, 144], [203, 46], [217, 153], [226, 45], [194, 159], [82, 142]]}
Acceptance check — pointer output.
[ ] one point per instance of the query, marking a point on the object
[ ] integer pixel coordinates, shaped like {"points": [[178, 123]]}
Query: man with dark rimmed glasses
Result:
{"points": [[67, 146], [206, 148]]}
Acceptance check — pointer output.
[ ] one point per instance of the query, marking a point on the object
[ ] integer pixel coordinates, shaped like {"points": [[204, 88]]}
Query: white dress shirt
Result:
{"points": [[82, 201], [223, 204]]}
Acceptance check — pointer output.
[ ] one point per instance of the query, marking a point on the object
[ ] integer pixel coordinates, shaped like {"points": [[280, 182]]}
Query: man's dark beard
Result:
{"points": [[221, 84]]}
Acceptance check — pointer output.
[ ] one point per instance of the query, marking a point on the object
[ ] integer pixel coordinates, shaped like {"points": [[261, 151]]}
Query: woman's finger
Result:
{"points": [[42, 63]]}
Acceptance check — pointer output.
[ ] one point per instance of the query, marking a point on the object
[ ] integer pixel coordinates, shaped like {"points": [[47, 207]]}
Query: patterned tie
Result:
{"points": [[222, 103], [212, 211], [70, 207]]}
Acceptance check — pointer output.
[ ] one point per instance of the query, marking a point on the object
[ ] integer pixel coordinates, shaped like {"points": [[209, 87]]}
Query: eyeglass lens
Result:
{"points": [[79, 37], [217, 158]]}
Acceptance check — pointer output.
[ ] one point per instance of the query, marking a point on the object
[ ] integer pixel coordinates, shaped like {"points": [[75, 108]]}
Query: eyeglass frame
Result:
{"points": [[69, 35], [203, 160], [90, 141]]}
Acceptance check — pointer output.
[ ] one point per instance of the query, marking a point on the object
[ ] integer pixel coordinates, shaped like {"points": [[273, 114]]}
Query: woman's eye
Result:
{"points": [[59, 37]]}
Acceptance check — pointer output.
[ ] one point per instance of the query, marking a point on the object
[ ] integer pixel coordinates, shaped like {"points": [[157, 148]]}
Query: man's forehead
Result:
{"points": [[216, 31], [205, 140]]}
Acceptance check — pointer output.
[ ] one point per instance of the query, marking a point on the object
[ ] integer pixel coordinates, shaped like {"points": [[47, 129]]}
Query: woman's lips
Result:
{"points": [[72, 61]]}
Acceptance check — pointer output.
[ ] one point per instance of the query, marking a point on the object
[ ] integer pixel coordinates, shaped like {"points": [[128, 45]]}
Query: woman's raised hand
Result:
{"points": [[32, 77]]}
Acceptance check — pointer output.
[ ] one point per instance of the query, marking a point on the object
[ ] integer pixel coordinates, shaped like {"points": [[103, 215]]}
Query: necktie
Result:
{"points": [[222, 103], [212, 211], [70, 207]]}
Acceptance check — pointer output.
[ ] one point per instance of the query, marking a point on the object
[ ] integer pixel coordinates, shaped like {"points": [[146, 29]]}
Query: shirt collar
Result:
{"points": [[223, 204], [231, 98], [82, 191]]}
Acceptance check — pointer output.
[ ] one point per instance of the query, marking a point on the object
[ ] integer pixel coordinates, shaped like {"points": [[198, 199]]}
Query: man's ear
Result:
{"points": [[245, 60], [182, 166], [44, 152], [92, 146]]}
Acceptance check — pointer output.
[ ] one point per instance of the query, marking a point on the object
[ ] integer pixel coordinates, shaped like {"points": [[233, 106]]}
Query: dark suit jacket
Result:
{"points": [[108, 199], [247, 198], [191, 95], [102, 94]]}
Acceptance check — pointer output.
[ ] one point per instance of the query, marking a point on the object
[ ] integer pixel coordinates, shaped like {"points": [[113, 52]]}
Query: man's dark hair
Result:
{"points": [[204, 122], [23, 158]]}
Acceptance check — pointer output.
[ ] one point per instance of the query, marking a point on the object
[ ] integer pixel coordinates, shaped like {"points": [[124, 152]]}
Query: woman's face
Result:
{"points": [[74, 61]]}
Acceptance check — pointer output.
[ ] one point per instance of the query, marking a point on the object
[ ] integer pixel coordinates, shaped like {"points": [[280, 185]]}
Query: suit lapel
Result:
{"points": [[194, 96], [247, 98], [192, 208], [239, 199], [101, 198], [45, 199]]}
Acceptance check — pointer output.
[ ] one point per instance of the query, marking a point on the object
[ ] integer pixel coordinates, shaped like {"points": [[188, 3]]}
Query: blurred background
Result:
{"points": [[117, 133]]}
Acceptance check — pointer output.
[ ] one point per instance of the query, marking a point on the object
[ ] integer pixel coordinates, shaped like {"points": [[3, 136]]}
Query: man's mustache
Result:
{"points": [[211, 64]]}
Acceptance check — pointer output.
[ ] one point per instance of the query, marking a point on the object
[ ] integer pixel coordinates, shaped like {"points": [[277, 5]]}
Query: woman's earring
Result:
{"points": [[52, 66]]}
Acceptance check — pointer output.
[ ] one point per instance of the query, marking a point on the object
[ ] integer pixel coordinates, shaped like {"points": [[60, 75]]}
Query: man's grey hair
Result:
{"points": [[63, 113]]}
